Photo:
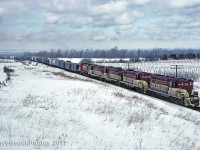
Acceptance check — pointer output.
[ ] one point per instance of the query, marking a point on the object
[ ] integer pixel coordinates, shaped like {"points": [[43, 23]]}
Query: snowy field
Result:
{"points": [[188, 68], [2, 76], [52, 109]]}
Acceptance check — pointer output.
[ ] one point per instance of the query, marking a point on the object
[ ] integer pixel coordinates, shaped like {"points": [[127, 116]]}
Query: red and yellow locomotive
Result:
{"points": [[177, 90]]}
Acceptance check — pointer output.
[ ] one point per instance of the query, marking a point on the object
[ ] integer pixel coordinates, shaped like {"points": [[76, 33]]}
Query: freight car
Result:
{"points": [[68, 65], [62, 64], [33, 58], [55, 62]]}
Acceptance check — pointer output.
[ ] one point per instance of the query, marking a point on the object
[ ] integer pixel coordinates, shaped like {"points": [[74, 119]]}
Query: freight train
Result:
{"points": [[173, 89]]}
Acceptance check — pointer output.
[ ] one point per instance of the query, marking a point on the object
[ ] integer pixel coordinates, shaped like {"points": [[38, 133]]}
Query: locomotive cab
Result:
{"points": [[182, 84], [183, 89], [145, 77]]}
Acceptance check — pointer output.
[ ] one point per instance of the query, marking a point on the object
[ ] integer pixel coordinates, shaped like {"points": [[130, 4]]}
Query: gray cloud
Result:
{"points": [[87, 21]]}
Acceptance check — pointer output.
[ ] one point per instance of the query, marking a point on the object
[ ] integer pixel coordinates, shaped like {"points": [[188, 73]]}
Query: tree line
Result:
{"points": [[134, 55]]}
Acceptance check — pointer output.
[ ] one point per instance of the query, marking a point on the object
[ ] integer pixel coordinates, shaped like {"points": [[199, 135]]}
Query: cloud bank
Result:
{"points": [[38, 24]]}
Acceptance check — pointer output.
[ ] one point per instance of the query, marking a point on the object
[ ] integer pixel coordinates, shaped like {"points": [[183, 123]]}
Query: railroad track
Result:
{"points": [[194, 108]]}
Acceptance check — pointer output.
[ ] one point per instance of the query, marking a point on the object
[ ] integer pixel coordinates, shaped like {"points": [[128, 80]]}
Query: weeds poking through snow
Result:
{"points": [[29, 100], [188, 117], [119, 94], [138, 117]]}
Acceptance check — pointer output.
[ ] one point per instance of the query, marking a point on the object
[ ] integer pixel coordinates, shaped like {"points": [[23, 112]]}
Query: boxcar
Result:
{"points": [[74, 67], [38, 59], [68, 65], [55, 62], [62, 64]]}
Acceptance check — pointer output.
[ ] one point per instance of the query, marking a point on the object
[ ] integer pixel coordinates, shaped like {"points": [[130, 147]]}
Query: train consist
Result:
{"points": [[176, 90]]}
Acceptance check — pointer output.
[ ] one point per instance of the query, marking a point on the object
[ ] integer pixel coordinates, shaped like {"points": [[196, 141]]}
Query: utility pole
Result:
{"points": [[128, 65], [177, 67]]}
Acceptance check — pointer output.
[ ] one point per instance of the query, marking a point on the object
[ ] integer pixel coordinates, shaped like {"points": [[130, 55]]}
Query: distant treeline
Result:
{"points": [[151, 55]]}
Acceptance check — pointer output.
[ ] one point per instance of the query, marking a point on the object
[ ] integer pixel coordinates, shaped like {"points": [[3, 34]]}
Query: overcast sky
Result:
{"points": [[38, 24]]}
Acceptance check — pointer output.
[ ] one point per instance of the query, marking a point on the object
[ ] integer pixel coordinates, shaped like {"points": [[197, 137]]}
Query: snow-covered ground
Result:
{"points": [[2, 76], [188, 68], [50, 106]]}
